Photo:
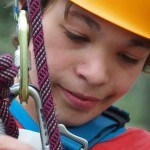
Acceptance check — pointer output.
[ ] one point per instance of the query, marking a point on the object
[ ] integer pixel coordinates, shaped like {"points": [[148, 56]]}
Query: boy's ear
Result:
{"points": [[21, 2]]}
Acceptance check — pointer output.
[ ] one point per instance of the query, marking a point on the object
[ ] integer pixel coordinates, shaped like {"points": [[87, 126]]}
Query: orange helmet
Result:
{"points": [[133, 15]]}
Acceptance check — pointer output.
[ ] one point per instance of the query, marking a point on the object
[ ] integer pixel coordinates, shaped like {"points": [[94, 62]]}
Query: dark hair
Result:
{"points": [[46, 3]]}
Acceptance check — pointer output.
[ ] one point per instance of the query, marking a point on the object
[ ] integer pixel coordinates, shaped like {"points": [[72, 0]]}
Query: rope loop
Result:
{"points": [[7, 73]]}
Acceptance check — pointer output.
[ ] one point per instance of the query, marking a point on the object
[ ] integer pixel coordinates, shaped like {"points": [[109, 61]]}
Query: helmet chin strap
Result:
{"points": [[35, 20]]}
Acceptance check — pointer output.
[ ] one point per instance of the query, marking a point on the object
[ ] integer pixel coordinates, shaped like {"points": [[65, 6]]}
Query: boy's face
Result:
{"points": [[92, 62]]}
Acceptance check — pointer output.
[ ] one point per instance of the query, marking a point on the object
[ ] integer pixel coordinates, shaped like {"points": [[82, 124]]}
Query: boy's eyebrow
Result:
{"points": [[86, 19], [145, 43]]}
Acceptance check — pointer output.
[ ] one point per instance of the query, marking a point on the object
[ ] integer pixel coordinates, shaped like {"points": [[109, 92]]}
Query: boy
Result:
{"points": [[95, 54]]}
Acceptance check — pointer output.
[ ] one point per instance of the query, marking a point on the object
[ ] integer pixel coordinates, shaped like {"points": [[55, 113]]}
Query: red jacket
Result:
{"points": [[131, 139]]}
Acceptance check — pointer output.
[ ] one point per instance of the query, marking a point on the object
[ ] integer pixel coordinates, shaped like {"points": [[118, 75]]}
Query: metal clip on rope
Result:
{"points": [[63, 130], [33, 92], [23, 89], [23, 31]]}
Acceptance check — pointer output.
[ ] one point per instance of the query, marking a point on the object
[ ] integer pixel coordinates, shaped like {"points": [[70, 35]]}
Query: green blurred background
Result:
{"points": [[7, 27], [136, 102]]}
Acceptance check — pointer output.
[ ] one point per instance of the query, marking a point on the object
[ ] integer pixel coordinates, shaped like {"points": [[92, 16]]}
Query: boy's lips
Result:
{"points": [[78, 100]]}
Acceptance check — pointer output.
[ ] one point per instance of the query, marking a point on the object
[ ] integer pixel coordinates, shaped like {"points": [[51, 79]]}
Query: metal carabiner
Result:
{"points": [[63, 130], [23, 89], [23, 32], [33, 92]]}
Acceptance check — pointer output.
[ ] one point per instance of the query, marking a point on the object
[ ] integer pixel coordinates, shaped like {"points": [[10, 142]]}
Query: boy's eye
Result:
{"points": [[128, 59], [76, 38]]}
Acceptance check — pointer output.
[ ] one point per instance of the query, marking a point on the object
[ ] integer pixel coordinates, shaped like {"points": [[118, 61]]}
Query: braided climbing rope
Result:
{"points": [[7, 74], [34, 14]]}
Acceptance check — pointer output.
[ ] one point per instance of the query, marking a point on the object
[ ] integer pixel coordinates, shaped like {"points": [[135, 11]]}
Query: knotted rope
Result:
{"points": [[34, 14], [7, 73]]}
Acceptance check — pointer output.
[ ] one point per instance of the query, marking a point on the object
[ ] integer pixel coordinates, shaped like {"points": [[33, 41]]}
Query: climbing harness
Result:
{"points": [[106, 126]]}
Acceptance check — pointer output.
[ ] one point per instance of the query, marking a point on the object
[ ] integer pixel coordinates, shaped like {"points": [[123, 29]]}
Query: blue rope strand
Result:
{"points": [[16, 10]]}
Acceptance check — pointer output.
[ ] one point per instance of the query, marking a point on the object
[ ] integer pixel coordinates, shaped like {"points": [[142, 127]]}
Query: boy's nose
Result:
{"points": [[95, 72]]}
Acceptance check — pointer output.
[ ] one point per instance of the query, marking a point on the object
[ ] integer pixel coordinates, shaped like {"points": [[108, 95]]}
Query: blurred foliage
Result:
{"points": [[136, 102], [7, 28]]}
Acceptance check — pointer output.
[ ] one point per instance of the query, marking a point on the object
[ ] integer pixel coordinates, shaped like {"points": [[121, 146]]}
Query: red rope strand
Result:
{"points": [[7, 73], [34, 12]]}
